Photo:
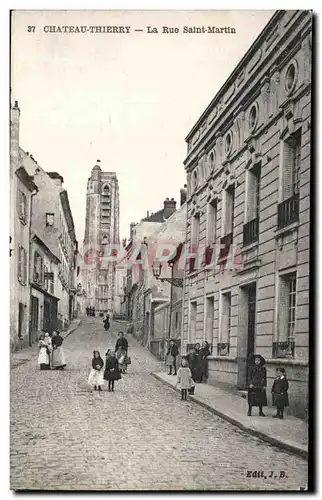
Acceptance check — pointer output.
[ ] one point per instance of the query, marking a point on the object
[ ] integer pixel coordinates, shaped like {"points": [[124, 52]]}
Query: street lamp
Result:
{"points": [[156, 269]]}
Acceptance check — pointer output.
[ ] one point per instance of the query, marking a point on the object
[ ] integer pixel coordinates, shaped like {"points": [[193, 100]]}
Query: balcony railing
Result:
{"points": [[250, 232], [225, 244], [223, 348], [283, 349], [288, 212]]}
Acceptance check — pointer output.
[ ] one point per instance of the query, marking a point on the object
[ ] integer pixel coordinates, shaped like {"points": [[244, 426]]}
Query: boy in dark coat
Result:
{"points": [[257, 385], [279, 392]]}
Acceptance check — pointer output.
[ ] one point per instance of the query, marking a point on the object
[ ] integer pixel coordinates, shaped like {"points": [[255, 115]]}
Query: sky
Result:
{"points": [[126, 99]]}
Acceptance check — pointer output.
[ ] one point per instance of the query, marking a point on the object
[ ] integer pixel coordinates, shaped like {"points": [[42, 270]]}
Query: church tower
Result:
{"points": [[101, 227]]}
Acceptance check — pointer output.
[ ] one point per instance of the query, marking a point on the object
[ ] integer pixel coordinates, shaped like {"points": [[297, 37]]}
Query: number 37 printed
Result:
{"points": [[31, 29]]}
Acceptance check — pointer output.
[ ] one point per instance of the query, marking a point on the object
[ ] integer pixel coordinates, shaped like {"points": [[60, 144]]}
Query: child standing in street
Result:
{"points": [[279, 392], [112, 371], [96, 375], [184, 379]]}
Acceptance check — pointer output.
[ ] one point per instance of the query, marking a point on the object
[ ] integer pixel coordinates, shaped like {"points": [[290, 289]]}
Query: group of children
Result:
{"points": [[256, 390], [111, 372]]}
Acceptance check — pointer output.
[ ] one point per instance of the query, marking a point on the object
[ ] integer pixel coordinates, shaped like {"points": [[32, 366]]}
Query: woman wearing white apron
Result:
{"points": [[45, 349], [59, 362]]}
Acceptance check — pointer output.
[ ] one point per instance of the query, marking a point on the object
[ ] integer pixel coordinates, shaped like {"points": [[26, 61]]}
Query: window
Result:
{"points": [[38, 268], [253, 117], [195, 227], [229, 206], [22, 206], [22, 265], [288, 209], [193, 321], [253, 192], [212, 160], [176, 320], [228, 143], [211, 222], [210, 303], [291, 77], [287, 307], [50, 219], [225, 320], [291, 165], [251, 228]]}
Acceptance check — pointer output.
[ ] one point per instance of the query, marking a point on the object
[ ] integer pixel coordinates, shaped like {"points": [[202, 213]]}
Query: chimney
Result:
{"points": [[169, 207], [58, 179], [14, 135], [147, 214], [183, 195]]}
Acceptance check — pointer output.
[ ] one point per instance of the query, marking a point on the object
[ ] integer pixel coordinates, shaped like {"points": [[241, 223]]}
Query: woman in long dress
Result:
{"points": [[45, 349], [204, 353], [121, 349], [59, 362], [257, 383]]}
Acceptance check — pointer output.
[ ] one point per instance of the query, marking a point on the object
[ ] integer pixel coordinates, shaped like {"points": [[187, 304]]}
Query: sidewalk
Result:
{"points": [[27, 354], [291, 434]]}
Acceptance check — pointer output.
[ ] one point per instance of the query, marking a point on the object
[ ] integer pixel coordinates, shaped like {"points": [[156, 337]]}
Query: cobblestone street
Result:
{"points": [[141, 437]]}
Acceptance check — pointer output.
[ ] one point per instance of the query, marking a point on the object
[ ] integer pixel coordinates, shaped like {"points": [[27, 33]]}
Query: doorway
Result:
{"points": [[246, 332], [33, 319], [21, 319]]}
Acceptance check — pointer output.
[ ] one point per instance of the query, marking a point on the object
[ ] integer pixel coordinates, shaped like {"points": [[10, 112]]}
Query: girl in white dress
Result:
{"points": [[45, 349], [184, 380], [96, 375]]}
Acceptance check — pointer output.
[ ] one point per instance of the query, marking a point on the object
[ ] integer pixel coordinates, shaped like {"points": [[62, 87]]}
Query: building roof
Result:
{"points": [[26, 179], [40, 242], [68, 214]]}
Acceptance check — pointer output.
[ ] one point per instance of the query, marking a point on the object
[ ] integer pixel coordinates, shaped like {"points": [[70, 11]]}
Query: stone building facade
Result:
{"points": [[248, 177], [98, 271], [22, 191], [52, 234]]}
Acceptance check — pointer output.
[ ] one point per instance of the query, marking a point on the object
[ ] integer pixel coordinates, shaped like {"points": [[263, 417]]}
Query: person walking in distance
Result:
{"points": [[257, 384], [111, 372], [121, 349], [106, 322], [95, 378], [280, 392], [184, 379], [171, 358]]}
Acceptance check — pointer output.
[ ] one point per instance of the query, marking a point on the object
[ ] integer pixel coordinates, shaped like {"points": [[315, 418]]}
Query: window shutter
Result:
{"points": [[283, 309], [208, 255], [19, 270], [25, 266], [288, 166], [19, 203], [35, 267], [251, 195]]}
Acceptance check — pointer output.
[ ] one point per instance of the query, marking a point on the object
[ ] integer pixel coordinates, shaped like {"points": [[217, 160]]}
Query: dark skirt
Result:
{"points": [[43, 366], [204, 369], [257, 397], [115, 375], [280, 400]]}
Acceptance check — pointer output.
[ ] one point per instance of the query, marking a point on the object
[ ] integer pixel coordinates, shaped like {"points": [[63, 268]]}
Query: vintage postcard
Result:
{"points": [[160, 250]]}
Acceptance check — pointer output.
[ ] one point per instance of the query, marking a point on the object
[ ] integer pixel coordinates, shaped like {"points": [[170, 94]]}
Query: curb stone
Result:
{"points": [[296, 450]]}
